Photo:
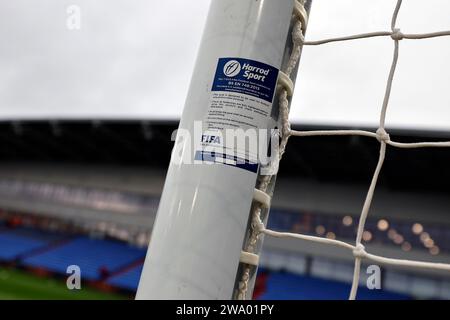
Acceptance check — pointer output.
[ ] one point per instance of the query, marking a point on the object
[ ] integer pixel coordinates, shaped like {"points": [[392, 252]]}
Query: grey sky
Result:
{"points": [[134, 58]]}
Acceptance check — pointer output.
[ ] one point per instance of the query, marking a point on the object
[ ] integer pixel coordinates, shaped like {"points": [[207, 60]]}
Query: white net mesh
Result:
{"points": [[358, 250]]}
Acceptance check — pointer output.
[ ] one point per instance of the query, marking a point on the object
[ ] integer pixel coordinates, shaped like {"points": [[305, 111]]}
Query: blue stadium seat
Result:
{"points": [[286, 286], [19, 242], [128, 280], [91, 255]]}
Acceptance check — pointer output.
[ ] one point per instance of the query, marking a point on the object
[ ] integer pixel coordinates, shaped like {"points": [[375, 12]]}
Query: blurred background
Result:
{"points": [[87, 114], [86, 193]]}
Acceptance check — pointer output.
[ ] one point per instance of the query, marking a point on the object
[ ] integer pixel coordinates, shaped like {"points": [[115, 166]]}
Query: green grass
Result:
{"points": [[16, 284]]}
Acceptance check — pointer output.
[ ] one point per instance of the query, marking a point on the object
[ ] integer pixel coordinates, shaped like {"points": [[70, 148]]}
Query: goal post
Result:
{"points": [[214, 208], [197, 248]]}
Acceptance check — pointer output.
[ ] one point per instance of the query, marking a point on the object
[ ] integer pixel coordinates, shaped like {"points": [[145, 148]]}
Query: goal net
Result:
{"points": [[265, 184], [214, 208]]}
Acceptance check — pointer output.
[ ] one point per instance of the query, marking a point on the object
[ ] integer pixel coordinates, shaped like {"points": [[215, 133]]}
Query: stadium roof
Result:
{"points": [[144, 143]]}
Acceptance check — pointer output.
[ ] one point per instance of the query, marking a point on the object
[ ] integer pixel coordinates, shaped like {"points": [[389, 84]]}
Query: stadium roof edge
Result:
{"points": [[422, 132]]}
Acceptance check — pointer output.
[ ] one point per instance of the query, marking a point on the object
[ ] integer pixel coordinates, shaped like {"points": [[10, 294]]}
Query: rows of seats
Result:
{"points": [[15, 243], [96, 258], [120, 265], [127, 280], [288, 286], [280, 286], [307, 223]]}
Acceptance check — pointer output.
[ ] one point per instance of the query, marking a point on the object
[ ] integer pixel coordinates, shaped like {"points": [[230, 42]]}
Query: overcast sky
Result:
{"points": [[134, 59]]}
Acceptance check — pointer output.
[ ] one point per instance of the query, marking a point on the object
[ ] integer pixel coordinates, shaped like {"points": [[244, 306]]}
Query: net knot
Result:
{"points": [[359, 251], [382, 135], [257, 224], [297, 35], [397, 35]]}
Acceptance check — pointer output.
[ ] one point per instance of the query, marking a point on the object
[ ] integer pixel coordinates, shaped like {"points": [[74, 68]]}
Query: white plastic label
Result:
{"points": [[241, 99]]}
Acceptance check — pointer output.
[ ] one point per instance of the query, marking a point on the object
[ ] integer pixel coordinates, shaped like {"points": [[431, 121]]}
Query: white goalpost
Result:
{"points": [[198, 236], [205, 244]]}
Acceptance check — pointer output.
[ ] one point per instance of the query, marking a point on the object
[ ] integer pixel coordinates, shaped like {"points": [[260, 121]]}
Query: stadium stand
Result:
{"points": [[96, 258], [127, 280], [288, 286], [307, 222], [278, 286], [120, 265], [19, 242]]}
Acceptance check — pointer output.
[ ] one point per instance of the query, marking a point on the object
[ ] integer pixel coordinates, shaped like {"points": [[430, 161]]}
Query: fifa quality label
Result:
{"points": [[241, 99]]}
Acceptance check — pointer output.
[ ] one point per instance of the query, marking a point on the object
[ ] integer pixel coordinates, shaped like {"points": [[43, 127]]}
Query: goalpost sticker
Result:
{"points": [[247, 77], [241, 99]]}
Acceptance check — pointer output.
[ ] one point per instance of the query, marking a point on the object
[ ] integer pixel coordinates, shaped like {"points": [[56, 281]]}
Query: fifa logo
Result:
{"points": [[211, 139]]}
